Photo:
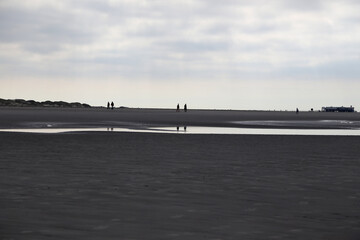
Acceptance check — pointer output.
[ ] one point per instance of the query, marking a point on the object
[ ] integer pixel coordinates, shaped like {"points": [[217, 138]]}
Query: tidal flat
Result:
{"points": [[109, 185], [121, 185]]}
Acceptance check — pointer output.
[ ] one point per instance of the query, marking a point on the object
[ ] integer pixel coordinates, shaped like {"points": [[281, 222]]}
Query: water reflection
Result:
{"points": [[200, 130], [168, 129], [272, 131], [339, 124]]}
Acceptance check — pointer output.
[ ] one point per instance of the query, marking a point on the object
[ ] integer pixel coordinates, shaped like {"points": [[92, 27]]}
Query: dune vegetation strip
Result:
{"points": [[32, 103]]}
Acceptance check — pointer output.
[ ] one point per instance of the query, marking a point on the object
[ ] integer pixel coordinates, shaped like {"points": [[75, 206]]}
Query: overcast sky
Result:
{"points": [[230, 54]]}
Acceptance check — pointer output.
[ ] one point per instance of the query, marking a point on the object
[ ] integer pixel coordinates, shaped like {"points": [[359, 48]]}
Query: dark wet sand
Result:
{"points": [[170, 186], [97, 117]]}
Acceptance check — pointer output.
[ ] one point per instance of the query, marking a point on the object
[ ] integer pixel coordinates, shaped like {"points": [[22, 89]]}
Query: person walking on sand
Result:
{"points": [[108, 105], [178, 108], [185, 108], [112, 105]]}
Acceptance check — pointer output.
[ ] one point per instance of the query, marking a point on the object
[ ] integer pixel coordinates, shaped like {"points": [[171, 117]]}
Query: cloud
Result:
{"points": [[43, 30], [193, 38]]}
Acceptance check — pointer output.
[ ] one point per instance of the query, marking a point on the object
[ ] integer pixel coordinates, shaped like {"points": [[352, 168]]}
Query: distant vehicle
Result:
{"points": [[338, 109]]}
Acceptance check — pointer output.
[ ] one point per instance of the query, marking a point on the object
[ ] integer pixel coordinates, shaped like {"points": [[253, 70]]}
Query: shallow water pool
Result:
{"points": [[199, 130]]}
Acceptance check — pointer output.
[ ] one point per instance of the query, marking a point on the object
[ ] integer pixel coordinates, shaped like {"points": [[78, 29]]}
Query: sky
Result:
{"points": [[229, 54]]}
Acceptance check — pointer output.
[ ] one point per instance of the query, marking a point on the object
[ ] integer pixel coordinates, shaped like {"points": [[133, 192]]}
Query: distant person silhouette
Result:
{"points": [[112, 105], [185, 108], [178, 108], [297, 110], [108, 105]]}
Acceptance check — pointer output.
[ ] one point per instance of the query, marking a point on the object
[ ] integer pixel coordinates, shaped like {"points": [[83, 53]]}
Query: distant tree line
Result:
{"points": [[32, 103]]}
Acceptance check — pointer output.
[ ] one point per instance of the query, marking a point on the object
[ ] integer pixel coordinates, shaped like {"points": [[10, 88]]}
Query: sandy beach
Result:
{"points": [[108, 185]]}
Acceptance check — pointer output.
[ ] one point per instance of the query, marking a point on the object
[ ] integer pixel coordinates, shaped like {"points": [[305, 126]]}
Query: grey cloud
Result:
{"points": [[260, 28], [196, 46], [219, 29], [304, 5], [66, 33], [44, 30], [348, 69], [125, 10], [41, 47], [340, 70], [92, 5], [194, 31]]}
